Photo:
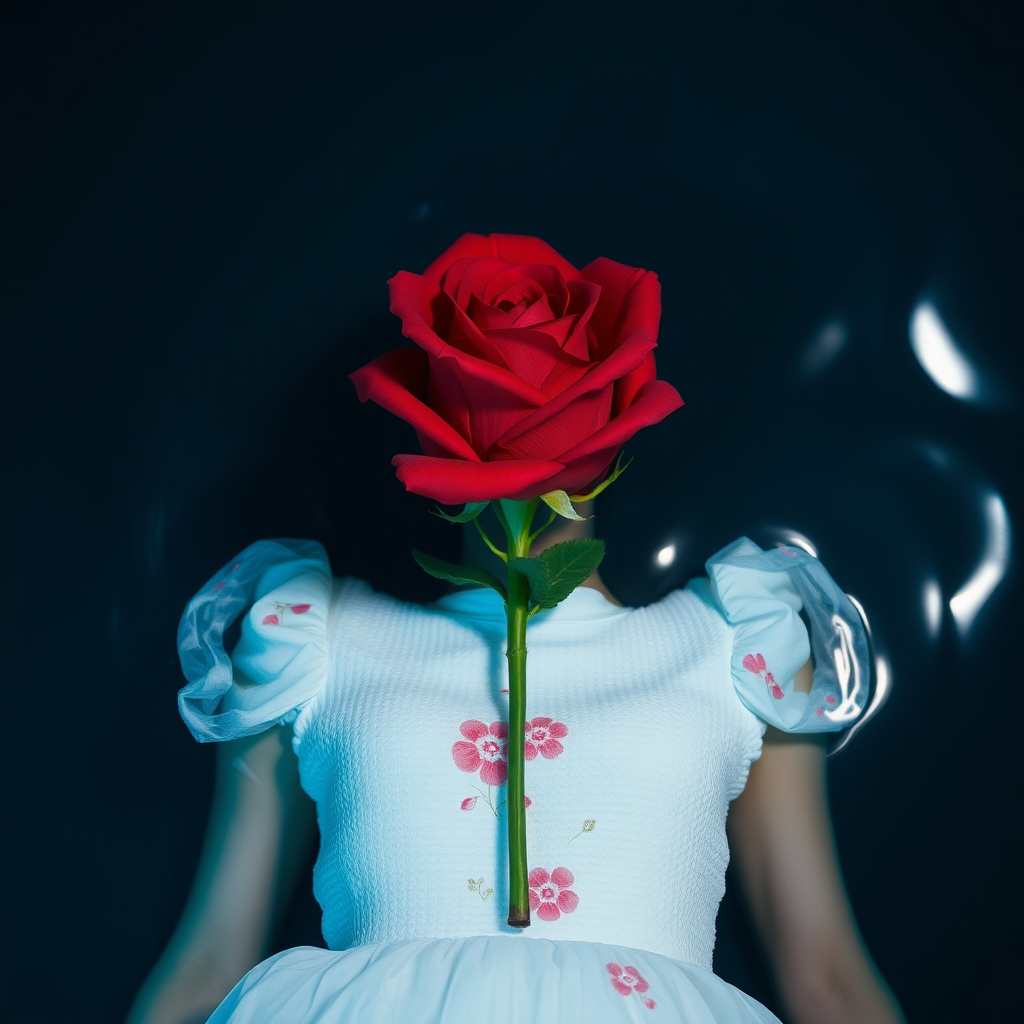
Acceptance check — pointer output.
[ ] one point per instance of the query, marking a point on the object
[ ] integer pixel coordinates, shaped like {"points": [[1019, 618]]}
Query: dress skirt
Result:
{"points": [[497, 979]]}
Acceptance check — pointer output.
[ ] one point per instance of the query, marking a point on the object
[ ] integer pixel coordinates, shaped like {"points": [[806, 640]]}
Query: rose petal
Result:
{"points": [[452, 481], [300, 609], [558, 731], [397, 381], [499, 729], [614, 969], [627, 357], [630, 301], [469, 803], [656, 399], [529, 751], [539, 723], [411, 300], [511, 248]]}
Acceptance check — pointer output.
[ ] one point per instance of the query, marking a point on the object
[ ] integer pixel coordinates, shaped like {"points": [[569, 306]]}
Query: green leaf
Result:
{"points": [[458, 573], [611, 478], [469, 513], [558, 501], [558, 570]]}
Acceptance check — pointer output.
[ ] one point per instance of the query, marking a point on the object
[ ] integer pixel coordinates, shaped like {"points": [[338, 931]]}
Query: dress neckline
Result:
{"points": [[584, 603]]}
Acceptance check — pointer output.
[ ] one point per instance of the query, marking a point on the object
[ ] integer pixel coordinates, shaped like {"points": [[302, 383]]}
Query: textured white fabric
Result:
{"points": [[657, 743]]}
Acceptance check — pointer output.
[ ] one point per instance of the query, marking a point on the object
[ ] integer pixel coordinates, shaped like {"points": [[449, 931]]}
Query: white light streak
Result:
{"points": [[932, 597], [798, 540], [939, 355], [969, 599], [666, 556]]}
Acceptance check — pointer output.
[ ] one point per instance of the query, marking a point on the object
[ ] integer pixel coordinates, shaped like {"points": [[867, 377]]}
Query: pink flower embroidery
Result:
{"points": [[469, 803], [755, 663], [550, 895], [280, 607], [627, 979], [543, 734], [486, 751]]}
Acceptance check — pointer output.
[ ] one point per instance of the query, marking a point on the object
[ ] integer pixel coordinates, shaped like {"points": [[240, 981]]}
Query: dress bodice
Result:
{"points": [[636, 743]]}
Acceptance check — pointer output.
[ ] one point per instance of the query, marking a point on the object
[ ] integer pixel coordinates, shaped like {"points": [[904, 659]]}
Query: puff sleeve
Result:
{"points": [[280, 662], [761, 595]]}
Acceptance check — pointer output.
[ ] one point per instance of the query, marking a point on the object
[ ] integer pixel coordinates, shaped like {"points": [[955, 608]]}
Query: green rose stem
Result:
{"points": [[542, 581], [517, 517]]}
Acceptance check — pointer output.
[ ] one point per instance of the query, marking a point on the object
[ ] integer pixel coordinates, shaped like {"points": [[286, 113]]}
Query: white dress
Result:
{"points": [[642, 725]]}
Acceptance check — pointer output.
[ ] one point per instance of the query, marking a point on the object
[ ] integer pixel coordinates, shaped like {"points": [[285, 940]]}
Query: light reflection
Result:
{"points": [[848, 673], [970, 598], [939, 355], [883, 681], [932, 597], [666, 556], [798, 540], [824, 347]]}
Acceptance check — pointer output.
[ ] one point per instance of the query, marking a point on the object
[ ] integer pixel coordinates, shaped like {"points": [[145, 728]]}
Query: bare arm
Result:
{"points": [[782, 845], [260, 829]]}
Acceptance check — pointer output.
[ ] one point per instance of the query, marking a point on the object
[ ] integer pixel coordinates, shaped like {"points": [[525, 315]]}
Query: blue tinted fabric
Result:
{"points": [[281, 659], [642, 725], [761, 594]]}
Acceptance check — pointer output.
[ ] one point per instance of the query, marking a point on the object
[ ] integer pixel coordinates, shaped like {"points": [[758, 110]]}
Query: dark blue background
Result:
{"points": [[202, 204]]}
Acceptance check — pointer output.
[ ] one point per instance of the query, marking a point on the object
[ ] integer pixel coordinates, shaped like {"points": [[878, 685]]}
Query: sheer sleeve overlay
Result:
{"points": [[280, 661], [762, 595]]}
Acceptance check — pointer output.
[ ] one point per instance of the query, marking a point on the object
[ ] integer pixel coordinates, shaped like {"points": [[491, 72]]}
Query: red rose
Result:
{"points": [[530, 374]]}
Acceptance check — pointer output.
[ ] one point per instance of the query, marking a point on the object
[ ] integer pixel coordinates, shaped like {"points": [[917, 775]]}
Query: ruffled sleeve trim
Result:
{"points": [[762, 594], [280, 662]]}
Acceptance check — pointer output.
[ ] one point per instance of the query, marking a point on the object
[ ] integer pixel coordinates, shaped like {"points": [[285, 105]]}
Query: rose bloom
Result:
{"points": [[529, 374]]}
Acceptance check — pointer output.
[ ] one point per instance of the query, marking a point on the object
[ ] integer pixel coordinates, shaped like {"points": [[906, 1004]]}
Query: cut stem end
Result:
{"points": [[518, 918]]}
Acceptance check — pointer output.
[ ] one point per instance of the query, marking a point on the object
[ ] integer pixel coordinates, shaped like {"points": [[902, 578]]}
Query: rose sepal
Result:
{"points": [[609, 479], [469, 513], [560, 503], [459, 573]]}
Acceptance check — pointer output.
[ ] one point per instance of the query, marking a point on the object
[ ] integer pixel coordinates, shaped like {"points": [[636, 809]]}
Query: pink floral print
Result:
{"points": [[550, 895], [542, 736], [755, 663], [627, 981], [485, 749], [280, 608]]}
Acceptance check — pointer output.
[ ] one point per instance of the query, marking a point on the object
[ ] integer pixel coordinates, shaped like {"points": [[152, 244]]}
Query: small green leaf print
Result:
{"points": [[477, 885], [588, 826]]}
